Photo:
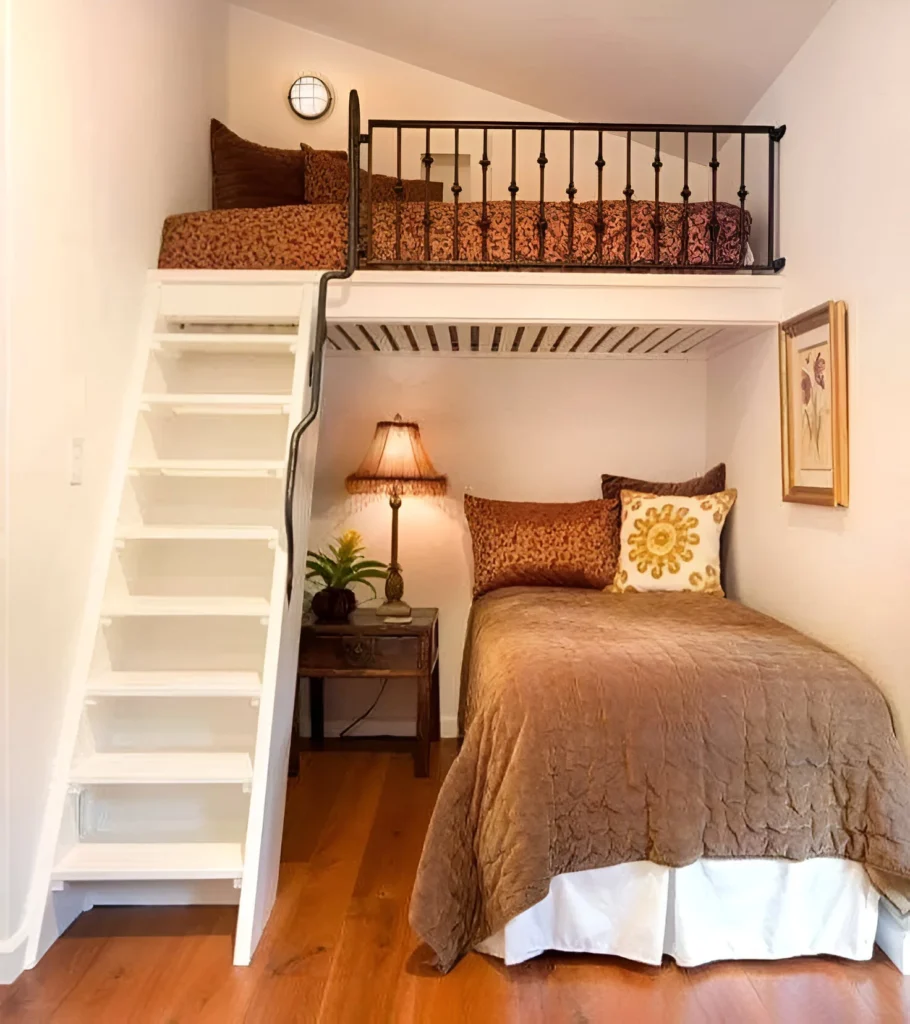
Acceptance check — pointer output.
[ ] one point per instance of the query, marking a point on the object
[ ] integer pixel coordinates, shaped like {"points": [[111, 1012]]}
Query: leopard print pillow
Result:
{"points": [[523, 543]]}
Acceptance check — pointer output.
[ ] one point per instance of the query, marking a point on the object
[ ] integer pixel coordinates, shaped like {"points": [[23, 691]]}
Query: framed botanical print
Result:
{"points": [[813, 406]]}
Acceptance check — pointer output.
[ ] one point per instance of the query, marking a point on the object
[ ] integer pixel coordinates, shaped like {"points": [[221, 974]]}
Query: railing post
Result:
{"points": [[628, 192], [427, 164], [542, 216], [715, 226], [484, 219], [513, 191], [599, 225], [571, 192], [686, 194], [656, 164], [456, 192]]}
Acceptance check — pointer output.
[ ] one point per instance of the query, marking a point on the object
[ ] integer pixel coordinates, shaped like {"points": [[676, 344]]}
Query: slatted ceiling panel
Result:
{"points": [[684, 338], [426, 338], [522, 337], [537, 345], [598, 338], [576, 338], [485, 334], [390, 338], [631, 341]]}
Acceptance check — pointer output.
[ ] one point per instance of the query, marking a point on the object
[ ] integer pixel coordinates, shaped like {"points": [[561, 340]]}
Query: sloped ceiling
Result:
{"points": [[697, 61]]}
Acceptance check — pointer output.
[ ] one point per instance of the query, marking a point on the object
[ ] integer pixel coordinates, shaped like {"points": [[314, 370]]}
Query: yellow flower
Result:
{"points": [[663, 540]]}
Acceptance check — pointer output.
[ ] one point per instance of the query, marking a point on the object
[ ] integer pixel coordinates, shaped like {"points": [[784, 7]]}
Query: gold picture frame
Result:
{"points": [[814, 426]]}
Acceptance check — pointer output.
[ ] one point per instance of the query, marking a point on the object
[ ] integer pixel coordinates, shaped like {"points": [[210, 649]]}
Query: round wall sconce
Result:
{"points": [[311, 97]]}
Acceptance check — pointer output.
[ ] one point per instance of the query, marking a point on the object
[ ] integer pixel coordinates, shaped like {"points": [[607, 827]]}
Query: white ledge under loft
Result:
{"points": [[176, 684], [149, 862], [180, 768], [746, 303]]}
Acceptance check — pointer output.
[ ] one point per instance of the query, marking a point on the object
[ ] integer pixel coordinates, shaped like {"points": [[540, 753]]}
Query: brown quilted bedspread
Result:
{"points": [[314, 237], [601, 729]]}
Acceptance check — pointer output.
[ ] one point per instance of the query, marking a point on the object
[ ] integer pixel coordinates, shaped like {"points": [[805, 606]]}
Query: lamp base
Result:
{"points": [[394, 609]]}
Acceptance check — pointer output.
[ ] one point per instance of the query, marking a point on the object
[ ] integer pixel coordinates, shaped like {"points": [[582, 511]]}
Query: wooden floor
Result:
{"points": [[338, 948]]}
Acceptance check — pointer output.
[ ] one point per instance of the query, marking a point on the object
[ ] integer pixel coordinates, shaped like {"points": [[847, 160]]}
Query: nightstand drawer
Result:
{"points": [[325, 655]]}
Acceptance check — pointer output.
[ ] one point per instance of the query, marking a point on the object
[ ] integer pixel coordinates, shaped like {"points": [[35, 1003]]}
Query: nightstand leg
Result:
{"points": [[434, 703], [422, 747], [317, 710]]}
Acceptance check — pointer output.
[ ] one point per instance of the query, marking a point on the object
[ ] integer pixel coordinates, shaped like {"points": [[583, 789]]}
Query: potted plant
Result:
{"points": [[338, 571]]}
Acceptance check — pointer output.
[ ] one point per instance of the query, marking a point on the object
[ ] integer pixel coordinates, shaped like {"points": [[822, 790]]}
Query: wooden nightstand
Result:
{"points": [[368, 647]]}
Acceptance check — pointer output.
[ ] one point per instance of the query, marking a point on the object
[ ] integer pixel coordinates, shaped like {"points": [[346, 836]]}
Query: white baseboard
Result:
{"points": [[448, 726], [12, 957], [893, 936]]}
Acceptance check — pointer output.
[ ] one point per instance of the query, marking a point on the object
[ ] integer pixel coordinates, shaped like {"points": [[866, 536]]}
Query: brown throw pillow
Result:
{"points": [[524, 543], [327, 181], [246, 175], [709, 483]]}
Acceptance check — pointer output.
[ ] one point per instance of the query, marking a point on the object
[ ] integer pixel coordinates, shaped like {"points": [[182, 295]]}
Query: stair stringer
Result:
{"points": [[49, 914], [279, 679]]}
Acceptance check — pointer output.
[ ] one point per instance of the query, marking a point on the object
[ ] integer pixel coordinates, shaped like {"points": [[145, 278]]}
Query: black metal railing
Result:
{"points": [[631, 232]]}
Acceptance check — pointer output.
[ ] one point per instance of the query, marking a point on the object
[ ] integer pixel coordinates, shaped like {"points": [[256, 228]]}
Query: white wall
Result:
{"points": [[107, 114], [514, 429], [840, 575], [266, 55]]}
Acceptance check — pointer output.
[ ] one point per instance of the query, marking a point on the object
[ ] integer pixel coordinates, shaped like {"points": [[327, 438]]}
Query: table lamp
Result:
{"points": [[396, 464]]}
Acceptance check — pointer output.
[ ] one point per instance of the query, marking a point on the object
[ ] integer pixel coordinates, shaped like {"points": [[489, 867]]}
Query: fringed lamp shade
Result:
{"points": [[397, 463]]}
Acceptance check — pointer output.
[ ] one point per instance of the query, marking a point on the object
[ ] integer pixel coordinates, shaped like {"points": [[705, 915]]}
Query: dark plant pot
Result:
{"points": [[334, 604]]}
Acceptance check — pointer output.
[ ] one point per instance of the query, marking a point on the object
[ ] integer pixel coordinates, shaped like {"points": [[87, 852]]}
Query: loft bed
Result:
{"points": [[404, 224]]}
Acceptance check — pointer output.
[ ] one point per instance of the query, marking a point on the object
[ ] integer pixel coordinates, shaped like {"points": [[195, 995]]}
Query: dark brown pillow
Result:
{"points": [[249, 176], [535, 544], [709, 483]]}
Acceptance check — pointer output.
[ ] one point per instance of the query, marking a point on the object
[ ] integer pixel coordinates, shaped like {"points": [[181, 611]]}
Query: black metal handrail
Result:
{"points": [[716, 258], [318, 353]]}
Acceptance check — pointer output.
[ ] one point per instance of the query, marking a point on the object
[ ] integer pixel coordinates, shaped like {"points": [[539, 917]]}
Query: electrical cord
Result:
{"points": [[368, 711]]}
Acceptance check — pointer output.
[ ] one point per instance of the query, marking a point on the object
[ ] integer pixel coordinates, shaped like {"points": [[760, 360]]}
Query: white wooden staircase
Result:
{"points": [[170, 778]]}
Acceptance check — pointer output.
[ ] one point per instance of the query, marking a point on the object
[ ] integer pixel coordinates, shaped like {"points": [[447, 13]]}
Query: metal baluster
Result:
{"points": [[369, 252], [686, 193], [714, 164], [599, 225], [427, 163], [513, 191], [628, 192], [456, 191], [656, 164], [742, 193], [571, 192], [399, 195], [542, 216], [484, 219]]}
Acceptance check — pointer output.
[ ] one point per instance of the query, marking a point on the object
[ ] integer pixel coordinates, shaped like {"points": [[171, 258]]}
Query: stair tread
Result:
{"points": [[210, 467], [174, 606], [214, 398], [141, 531], [176, 684], [203, 340], [168, 767], [149, 861]]}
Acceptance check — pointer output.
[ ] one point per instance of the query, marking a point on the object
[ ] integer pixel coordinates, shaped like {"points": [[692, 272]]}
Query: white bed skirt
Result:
{"points": [[709, 910]]}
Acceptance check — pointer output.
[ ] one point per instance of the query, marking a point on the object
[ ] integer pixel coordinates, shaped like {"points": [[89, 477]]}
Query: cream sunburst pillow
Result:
{"points": [[671, 543]]}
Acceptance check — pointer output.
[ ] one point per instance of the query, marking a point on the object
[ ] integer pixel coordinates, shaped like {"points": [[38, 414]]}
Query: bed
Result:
{"points": [[314, 236], [645, 773]]}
